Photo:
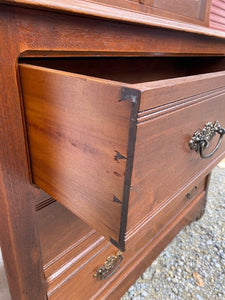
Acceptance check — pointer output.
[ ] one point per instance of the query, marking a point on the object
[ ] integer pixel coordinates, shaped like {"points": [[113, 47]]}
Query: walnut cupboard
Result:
{"points": [[112, 118]]}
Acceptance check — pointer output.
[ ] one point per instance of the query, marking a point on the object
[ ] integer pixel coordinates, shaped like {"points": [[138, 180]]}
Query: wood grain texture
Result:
{"points": [[73, 123], [62, 171], [158, 93], [112, 13], [19, 241], [157, 219], [59, 231], [162, 143], [73, 33], [65, 243], [147, 254], [135, 260], [38, 32]]}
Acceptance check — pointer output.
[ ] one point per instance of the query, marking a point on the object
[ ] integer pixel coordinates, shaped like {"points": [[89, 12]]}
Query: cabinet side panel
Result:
{"points": [[18, 234]]}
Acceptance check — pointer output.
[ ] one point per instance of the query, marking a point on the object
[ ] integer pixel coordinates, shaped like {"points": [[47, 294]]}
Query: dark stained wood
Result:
{"points": [[161, 93], [59, 232], [19, 241], [41, 204], [171, 129], [67, 245], [64, 170], [33, 32], [78, 33], [157, 219], [148, 254], [135, 259], [84, 34], [87, 8], [73, 140]]}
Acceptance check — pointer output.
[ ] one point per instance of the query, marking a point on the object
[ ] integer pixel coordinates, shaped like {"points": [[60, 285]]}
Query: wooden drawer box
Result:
{"points": [[109, 138]]}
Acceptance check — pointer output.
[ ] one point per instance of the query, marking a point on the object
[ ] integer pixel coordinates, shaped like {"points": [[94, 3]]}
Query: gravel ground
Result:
{"points": [[193, 264]]}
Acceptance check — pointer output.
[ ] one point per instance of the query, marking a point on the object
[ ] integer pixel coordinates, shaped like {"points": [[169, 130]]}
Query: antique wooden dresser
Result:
{"points": [[112, 118]]}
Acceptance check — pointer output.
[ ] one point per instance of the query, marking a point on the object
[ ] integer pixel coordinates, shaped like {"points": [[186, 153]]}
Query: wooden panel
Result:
{"points": [[157, 219], [43, 32], [135, 261], [18, 234], [88, 36], [78, 140], [65, 243], [143, 11], [149, 252], [162, 143], [59, 232], [159, 93], [104, 11]]}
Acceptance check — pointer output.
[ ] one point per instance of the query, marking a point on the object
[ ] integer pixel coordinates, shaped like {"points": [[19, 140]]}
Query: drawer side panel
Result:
{"points": [[78, 135]]}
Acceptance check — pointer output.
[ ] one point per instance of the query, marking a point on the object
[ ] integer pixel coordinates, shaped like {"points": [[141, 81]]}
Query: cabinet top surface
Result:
{"points": [[94, 9]]}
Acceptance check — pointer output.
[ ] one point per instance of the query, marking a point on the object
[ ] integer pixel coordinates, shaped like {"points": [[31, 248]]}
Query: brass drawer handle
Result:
{"points": [[201, 139], [109, 267]]}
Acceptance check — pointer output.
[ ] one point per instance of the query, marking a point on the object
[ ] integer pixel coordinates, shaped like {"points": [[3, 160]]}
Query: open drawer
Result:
{"points": [[109, 137]]}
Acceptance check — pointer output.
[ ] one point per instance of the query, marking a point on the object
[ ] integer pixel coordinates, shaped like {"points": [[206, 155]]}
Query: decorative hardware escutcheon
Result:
{"points": [[192, 193], [109, 267], [201, 139]]}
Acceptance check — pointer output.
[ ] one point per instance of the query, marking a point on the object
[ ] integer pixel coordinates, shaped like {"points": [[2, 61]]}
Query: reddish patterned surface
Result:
{"points": [[217, 15]]}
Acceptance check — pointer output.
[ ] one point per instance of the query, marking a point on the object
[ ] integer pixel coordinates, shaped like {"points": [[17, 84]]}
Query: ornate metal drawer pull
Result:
{"points": [[109, 267], [201, 139]]}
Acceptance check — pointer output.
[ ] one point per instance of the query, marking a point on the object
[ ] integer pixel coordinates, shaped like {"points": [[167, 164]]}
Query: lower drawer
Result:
{"points": [[164, 214], [73, 253]]}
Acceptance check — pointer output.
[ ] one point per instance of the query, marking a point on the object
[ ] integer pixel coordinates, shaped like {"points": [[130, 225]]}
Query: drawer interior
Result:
{"points": [[132, 70]]}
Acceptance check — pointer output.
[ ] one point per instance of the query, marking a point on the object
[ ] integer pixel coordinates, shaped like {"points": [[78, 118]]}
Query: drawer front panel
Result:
{"points": [[158, 219], [142, 253], [164, 163], [167, 91]]}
